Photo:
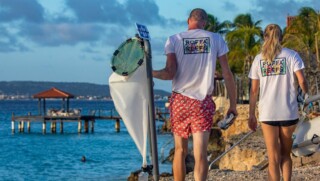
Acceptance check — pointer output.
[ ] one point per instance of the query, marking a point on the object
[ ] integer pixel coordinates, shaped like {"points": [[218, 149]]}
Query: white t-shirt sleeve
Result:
{"points": [[169, 48], [297, 63], [254, 70], [223, 48]]}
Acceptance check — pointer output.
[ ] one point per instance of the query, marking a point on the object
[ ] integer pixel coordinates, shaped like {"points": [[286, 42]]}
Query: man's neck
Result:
{"points": [[194, 27]]}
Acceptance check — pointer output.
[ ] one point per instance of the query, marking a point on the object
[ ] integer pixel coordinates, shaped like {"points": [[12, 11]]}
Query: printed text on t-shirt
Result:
{"points": [[277, 67], [196, 45]]}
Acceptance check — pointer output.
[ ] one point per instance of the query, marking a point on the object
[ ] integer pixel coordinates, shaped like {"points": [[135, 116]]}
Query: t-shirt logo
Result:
{"points": [[277, 67], [196, 45]]}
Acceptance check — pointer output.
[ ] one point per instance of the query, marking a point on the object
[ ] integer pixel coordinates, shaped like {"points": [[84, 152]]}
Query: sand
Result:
{"points": [[308, 172]]}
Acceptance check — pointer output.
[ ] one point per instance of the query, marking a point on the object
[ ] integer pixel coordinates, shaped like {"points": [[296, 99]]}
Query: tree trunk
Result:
{"points": [[317, 49]]}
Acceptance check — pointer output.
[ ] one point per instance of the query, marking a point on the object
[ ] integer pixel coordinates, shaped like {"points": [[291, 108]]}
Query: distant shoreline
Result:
{"points": [[26, 89]]}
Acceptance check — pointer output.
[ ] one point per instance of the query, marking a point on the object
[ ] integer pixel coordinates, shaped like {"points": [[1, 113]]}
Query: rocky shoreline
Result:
{"points": [[246, 161]]}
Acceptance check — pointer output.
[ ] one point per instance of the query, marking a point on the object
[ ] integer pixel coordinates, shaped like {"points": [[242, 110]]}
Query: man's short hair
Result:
{"points": [[199, 14]]}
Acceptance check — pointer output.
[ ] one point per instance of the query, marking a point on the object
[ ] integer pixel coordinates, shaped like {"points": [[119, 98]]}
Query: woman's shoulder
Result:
{"points": [[289, 54], [258, 57], [288, 51]]}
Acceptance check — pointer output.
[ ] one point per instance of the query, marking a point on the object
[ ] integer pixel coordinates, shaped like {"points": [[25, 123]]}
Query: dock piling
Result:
{"points": [[28, 123], [22, 126], [92, 126], [79, 126], [61, 126], [19, 126], [44, 127], [12, 126], [86, 126], [117, 125], [51, 127], [28, 126], [54, 130], [12, 123]]}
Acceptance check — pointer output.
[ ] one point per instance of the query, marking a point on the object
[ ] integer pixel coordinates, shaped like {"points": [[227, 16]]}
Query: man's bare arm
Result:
{"points": [[170, 69], [254, 91], [229, 81]]}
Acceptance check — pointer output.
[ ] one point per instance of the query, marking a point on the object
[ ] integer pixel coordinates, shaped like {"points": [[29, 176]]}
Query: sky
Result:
{"points": [[73, 40]]}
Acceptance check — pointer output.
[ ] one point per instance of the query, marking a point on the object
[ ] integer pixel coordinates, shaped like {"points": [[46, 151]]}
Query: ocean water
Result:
{"points": [[36, 156]]}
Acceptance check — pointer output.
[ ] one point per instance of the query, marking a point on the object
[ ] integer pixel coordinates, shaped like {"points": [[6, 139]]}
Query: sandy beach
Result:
{"points": [[250, 152], [308, 172]]}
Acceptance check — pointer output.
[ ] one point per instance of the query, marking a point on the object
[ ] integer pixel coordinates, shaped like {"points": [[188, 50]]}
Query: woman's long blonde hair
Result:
{"points": [[272, 42]]}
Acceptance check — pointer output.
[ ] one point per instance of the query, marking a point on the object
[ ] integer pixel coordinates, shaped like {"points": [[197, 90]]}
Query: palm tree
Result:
{"points": [[244, 42], [215, 26], [245, 20], [303, 34]]}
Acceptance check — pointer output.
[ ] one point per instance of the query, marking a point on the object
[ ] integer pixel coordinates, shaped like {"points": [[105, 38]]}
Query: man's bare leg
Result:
{"points": [[180, 153], [200, 144]]}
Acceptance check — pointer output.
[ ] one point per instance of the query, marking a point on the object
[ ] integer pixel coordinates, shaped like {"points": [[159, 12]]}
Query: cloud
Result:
{"points": [[114, 12], [12, 47], [55, 34], [30, 10], [90, 50], [117, 34], [8, 42], [80, 21], [144, 11], [110, 11], [230, 6], [276, 11], [99, 58]]}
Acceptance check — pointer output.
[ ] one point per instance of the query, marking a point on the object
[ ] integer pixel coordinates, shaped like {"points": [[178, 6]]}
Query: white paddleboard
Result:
{"points": [[305, 138]]}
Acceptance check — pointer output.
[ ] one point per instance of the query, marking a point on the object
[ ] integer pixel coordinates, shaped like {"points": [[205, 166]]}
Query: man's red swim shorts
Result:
{"points": [[189, 116]]}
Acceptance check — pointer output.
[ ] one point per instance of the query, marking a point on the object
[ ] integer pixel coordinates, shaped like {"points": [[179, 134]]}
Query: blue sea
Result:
{"points": [[110, 155]]}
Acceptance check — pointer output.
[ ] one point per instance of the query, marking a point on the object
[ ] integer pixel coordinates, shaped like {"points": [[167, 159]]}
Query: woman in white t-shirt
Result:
{"points": [[272, 74]]}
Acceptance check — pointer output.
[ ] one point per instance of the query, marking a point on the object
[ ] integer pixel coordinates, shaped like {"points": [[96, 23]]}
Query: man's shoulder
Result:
{"points": [[199, 34], [177, 35], [213, 35], [208, 33]]}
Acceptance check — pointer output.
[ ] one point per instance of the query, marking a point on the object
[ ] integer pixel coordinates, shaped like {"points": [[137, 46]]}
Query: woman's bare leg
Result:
{"points": [[271, 138], [286, 146]]}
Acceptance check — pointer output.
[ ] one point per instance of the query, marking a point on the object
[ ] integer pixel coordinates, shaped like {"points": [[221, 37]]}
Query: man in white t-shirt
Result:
{"points": [[191, 65]]}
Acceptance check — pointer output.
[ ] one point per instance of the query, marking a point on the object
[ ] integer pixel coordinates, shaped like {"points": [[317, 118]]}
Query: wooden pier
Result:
{"points": [[52, 117], [85, 122]]}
